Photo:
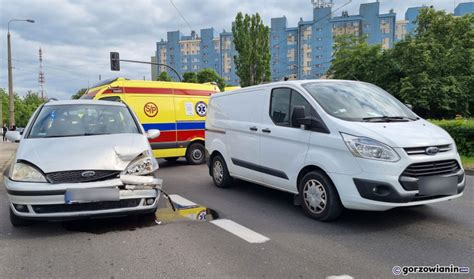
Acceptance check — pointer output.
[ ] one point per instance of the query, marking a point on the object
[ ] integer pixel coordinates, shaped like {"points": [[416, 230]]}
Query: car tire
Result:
{"points": [[17, 221], [195, 154], [171, 159], [219, 172], [319, 197]]}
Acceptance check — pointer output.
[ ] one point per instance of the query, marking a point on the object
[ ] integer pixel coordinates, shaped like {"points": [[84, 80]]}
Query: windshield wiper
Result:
{"points": [[388, 119]]}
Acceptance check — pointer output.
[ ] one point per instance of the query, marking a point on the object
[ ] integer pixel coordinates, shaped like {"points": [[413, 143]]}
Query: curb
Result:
{"points": [[469, 172]]}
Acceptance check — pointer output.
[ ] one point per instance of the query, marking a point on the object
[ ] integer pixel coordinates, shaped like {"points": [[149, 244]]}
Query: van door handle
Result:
{"points": [[253, 128], [266, 130]]}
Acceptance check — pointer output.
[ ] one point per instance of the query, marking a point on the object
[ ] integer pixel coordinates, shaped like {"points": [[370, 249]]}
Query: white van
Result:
{"points": [[335, 144]]}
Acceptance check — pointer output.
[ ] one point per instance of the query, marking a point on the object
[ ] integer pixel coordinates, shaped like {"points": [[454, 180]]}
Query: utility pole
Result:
{"points": [[11, 103], [41, 76]]}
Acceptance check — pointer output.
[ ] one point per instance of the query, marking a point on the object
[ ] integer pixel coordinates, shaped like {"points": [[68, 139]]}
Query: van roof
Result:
{"points": [[283, 83], [157, 84]]}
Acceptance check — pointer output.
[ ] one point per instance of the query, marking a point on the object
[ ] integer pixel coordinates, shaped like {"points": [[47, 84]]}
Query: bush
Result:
{"points": [[462, 131]]}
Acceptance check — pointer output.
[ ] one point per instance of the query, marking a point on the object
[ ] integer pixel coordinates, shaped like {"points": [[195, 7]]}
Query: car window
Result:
{"points": [[82, 120], [283, 100]]}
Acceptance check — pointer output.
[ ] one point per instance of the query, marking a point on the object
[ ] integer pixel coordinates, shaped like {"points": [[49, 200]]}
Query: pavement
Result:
{"points": [[359, 244]]}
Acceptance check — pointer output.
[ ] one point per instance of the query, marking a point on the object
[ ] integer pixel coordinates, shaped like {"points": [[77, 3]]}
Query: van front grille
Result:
{"points": [[432, 168], [422, 149]]}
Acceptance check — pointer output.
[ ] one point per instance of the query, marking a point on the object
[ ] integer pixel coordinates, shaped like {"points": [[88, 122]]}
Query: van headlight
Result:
{"points": [[26, 173], [370, 149], [142, 165]]}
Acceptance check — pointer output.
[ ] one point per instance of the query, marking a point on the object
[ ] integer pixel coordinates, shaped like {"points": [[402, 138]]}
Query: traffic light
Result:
{"points": [[114, 61]]}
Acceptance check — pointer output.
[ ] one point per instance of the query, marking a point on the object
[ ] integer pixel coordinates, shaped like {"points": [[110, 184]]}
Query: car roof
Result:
{"points": [[84, 102]]}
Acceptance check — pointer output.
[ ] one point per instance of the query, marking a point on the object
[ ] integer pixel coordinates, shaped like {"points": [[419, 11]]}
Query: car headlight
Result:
{"points": [[369, 149], [142, 165], [27, 173]]}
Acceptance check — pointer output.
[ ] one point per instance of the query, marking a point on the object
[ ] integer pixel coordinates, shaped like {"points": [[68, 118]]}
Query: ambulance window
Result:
{"points": [[111, 98]]}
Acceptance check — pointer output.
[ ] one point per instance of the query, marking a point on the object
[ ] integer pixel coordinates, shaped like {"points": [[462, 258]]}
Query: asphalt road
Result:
{"points": [[360, 244]]}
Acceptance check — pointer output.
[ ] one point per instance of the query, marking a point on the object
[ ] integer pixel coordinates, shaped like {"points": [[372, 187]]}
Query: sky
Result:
{"points": [[76, 36]]}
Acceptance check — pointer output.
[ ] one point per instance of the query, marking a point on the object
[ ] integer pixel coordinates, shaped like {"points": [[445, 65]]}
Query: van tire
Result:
{"points": [[316, 186], [219, 172], [17, 221], [195, 154]]}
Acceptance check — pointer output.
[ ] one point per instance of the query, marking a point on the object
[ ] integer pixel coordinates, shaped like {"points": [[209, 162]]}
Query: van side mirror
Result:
{"points": [[152, 134], [409, 106], [298, 117]]}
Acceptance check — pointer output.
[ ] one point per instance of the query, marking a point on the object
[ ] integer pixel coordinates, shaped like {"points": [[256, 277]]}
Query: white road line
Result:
{"points": [[183, 202], [240, 231], [345, 276]]}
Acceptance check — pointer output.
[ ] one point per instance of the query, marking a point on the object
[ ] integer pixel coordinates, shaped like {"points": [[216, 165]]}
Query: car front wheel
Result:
{"points": [[319, 197], [17, 221]]}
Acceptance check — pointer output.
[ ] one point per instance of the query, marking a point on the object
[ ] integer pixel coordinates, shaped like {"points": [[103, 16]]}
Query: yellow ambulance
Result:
{"points": [[177, 109]]}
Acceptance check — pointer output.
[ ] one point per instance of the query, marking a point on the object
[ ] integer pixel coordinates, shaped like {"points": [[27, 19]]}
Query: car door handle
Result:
{"points": [[266, 130], [254, 128]]}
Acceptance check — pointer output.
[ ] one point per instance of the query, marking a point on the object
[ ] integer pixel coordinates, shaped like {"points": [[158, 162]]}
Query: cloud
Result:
{"points": [[77, 36]]}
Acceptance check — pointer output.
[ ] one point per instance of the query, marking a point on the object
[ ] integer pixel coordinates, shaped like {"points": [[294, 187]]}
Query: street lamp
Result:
{"points": [[10, 75]]}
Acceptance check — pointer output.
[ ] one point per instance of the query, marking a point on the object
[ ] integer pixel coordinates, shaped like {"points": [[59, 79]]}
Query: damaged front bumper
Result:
{"points": [[133, 195]]}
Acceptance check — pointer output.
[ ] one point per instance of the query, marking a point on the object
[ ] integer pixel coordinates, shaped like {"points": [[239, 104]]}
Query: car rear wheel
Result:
{"points": [[195, 154], [319, 197], [17, 221], [220, 174]]}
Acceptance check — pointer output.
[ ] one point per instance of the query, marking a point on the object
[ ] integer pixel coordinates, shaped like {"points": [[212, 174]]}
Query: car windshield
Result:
{"points": [[357, 101], [82, 120]]}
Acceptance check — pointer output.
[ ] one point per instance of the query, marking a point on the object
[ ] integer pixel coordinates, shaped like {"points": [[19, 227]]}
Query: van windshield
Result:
{"points": [[358, 101]]}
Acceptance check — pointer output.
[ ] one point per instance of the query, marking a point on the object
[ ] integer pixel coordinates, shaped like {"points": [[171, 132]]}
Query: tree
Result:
{"points": [[433, 70], [252, 43], [209, 75], [79, 93], [164, 76], [190, 77], [25, 107], [438, 65]]}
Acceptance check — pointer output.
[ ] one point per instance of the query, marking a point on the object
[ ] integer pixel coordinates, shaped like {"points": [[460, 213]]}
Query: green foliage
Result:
{"points": [[79, 93], [190, 77], [432, 70], [252, 42], [164, 76], [205, 75], [209, 75], [24, 107], [462, 131]]}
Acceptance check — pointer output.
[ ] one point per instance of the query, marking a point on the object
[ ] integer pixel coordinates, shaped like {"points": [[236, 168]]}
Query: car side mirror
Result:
{"points": [[13, 136], [152, 134], [409, 106]]}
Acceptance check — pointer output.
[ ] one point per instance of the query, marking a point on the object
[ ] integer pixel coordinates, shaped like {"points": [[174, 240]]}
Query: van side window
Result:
{"points": [[282, 102], [280, 106], [111, 98]]}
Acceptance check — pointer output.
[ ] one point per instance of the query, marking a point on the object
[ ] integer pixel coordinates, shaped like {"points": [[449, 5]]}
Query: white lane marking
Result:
{"points": [[345, 276], [182, 201], [240, 231]]}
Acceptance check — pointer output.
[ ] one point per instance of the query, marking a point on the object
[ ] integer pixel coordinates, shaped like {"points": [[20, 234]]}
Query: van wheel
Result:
{"points": [[319, 197], [220, 174], [17, 221], [195, 154]]}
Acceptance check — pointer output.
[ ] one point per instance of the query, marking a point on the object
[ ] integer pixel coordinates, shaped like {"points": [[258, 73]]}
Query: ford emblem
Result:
{"points": [[88, 174], [431, 150]]}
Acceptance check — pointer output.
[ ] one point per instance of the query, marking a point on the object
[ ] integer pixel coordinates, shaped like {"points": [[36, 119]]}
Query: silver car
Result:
{"points": [[80, 159]]}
